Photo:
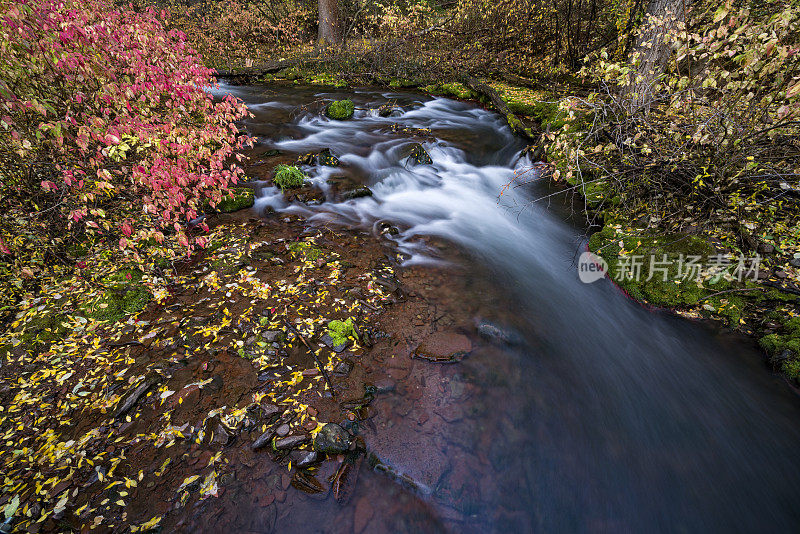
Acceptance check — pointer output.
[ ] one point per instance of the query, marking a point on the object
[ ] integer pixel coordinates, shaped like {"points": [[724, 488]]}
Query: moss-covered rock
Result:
{"points": [[122, 279], [458, 90], [340, 110], [784, 348], [115, 304], [288, 177], [40, 328], [671, 290], [241, 198], [341, 331]]}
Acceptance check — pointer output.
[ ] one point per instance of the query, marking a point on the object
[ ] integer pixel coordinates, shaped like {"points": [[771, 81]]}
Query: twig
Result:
{"points": [[314, 354]]}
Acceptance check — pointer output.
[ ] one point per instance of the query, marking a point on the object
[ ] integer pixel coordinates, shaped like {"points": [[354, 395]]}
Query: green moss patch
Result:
{"points": [[784, 347], [241, 198], [115, 304], [341, 331], [340, 110], [288, 177], [122, 278], [42, 328], [304, 251]]}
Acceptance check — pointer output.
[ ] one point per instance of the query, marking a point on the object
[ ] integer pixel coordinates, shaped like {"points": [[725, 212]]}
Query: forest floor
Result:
{"points": [[123, 413]]}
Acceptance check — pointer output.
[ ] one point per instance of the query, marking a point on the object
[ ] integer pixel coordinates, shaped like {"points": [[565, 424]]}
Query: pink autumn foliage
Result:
{"points": [[119, 105]]}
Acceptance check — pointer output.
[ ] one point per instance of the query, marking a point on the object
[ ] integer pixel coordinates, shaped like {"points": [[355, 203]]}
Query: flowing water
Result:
{"points": [[610, 417]]}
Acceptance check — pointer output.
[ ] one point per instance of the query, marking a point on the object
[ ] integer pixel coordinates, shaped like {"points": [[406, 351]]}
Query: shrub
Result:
{"points": [[106, 133], [712, 138]]}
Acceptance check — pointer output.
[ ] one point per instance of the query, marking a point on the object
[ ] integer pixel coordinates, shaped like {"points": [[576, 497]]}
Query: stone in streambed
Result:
{"points": [[304, 458], [326, 158], [221, 436], [385, 110], [263, 440], [328, 341], [240, 198], [444, 347], [343, 368], [291, 442], [346, 188], [496, 334], [418, 155], [332, 439], [130, 400]]}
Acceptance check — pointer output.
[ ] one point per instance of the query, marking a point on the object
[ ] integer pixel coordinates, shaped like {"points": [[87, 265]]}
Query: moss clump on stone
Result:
{"points": [[42, 328], [521, 108], [122, 278], [340, 331], [242, 198], [340, 110], [288, 177]]}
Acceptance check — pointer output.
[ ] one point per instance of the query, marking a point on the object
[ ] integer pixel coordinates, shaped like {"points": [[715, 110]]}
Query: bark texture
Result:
{"points": [[653, 48], [330, 24]]}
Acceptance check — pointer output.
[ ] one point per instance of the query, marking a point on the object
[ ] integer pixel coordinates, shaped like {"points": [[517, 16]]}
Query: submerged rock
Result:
{"points": [[343, 368], [332, 439], [130, 400], [444, 347], [263, 439], [221, 436], [291, 442], [498, 334], [345, 188], [304, 458], [418, 155], [358, 192], [308, 194]]}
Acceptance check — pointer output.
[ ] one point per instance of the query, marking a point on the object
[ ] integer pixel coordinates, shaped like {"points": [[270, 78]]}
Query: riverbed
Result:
{"points": [[588, 412]]}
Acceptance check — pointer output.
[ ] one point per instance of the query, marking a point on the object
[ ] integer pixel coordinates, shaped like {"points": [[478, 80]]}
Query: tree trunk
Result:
{"points": [[653, 48], [330, 25]]}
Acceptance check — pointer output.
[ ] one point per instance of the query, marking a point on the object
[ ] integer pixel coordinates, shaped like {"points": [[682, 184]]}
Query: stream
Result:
{"points": [[605, 416]]}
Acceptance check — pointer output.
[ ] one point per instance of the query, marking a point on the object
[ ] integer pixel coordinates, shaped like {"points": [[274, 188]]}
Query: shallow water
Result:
{"points": [[610, 417]]}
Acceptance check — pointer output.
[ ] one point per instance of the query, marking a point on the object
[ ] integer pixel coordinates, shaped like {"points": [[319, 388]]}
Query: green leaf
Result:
{"points": [[11, 508]]}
